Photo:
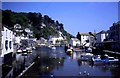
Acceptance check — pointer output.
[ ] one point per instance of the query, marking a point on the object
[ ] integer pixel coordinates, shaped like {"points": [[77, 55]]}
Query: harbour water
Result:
{"points": [[56, 63]]}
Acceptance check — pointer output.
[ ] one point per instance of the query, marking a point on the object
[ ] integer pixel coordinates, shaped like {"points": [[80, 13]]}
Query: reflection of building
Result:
{"points": [[74, 42], [114, 32], [75, 55], [101, 36], [6, 56]]}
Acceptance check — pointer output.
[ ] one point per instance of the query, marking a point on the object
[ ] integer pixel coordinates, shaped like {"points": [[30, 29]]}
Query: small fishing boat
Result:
{"points": [[69, 52], [33, 48], [53, 47], [113, 60], [108, 59], [24, 50], [19, 51]]}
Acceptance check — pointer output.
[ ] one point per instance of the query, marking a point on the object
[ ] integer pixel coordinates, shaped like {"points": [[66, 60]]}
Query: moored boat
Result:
{"points": [[19, 51], [53, 47], [107, 59], [69, 52]]}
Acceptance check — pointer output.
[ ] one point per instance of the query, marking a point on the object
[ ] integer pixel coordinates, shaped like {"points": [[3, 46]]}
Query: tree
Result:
{"points": [[33, 21]]}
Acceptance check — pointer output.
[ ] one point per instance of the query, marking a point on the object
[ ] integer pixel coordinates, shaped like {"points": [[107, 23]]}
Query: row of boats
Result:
{"points": [[52, 47], [25, 51], [104, 59], [95, 58]]}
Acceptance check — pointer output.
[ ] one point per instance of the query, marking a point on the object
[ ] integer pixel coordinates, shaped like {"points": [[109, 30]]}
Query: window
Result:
{"points": [[10, 44], [83, 36], [6, 44]]}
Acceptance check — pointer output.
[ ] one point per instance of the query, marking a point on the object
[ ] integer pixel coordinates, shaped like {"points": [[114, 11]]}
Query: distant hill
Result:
{"points": [[42, 26]]}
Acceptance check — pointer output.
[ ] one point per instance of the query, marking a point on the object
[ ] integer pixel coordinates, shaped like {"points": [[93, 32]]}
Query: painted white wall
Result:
{"points": [[17, 39], [59, 38], [103, 36], [7, 35], [83, 40], [100, 37], [53, 39], [74, 41]]}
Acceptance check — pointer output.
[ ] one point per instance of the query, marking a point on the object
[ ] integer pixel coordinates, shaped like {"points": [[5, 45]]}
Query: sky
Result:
{"points": [[76, 16]]}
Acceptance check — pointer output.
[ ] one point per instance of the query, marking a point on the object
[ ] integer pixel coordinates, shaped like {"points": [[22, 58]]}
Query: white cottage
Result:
{"points": [[57, 39], [6, 55], [7, 41], [101, 36], [74, 42], [86, 37]]}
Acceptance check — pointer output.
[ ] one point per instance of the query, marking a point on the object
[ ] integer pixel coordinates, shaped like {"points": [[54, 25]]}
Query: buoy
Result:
{"points": [[70, 53], [51, 75], [88, 74], [80, 73], [84, 72], [47, 67]]}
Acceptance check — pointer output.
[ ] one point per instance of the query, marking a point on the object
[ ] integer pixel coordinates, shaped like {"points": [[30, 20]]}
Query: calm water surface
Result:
{"points": [[57, 63]]}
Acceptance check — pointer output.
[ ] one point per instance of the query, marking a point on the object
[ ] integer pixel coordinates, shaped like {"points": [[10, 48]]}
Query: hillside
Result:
{"points": [[42, 26]]}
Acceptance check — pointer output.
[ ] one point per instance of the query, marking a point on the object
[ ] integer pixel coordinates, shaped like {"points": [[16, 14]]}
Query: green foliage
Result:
{"points": [[10, 18], [34, 21]]}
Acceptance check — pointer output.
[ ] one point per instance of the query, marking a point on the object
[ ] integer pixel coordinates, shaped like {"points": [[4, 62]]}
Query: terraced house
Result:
{"points": [[0, 49], [6, 52]]}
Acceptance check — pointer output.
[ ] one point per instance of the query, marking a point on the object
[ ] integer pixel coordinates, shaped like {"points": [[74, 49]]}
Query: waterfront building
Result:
{"points": [[57, 39], [74, 42], [114, 32], [18, 29], [101, 36], [86, 39], [6, 55], [29, 32], [1, 28]]}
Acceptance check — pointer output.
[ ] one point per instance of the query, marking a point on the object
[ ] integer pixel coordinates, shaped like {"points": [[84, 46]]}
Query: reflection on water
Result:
{"points": [[58, 63]]}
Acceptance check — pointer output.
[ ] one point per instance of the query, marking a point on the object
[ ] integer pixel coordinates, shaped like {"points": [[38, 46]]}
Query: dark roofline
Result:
{"points": [[101, 32]]}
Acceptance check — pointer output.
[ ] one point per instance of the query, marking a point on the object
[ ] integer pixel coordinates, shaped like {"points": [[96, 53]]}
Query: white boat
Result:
{"points": [[97, 59], [53, 47], [24, 50], [112, 59], [69, 50], [19, 51], [89, 54], [33, 48], [29, 49]]}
